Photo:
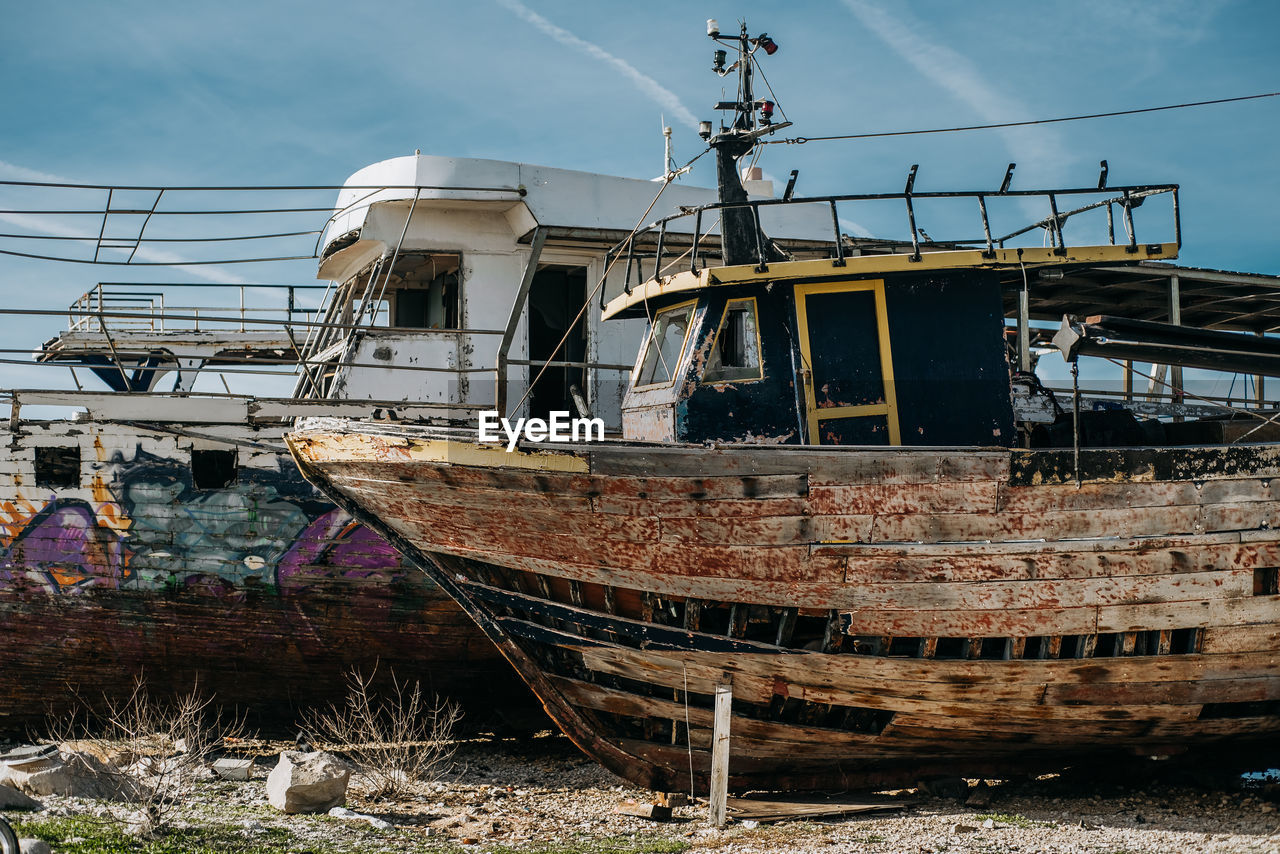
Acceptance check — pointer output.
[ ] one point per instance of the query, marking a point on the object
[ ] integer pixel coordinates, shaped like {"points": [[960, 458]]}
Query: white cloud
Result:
{"points": [[651, 88], [951, 70]]}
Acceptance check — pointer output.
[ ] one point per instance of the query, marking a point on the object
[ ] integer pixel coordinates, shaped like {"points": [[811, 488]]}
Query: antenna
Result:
{"points": [[752, 120]]}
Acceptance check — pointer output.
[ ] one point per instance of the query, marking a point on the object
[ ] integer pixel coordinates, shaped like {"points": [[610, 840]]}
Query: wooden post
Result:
{"points": [[720, 750]]}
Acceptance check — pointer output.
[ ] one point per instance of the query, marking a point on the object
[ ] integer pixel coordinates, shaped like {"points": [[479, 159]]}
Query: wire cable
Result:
{"points": [[801, 140]]}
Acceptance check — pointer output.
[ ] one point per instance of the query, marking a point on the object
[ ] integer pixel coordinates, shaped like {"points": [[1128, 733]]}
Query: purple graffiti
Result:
{"points": [[335, 546], [61, 549]]}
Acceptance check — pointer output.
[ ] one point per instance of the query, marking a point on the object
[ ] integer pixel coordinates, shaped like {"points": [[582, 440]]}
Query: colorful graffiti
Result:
{"points": [[152, 530]]}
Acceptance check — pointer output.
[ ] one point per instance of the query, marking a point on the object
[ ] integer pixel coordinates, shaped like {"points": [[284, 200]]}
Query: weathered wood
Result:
{"points": [[912, 554], [758, 810], [720, 750]]}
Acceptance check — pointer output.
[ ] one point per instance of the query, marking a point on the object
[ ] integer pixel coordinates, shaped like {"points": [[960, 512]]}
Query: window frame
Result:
{"points": [[724, 316], [692, 306]]}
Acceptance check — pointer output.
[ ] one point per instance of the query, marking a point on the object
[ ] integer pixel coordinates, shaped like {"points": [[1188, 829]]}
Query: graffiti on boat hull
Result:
{"points": [[151, 529]]}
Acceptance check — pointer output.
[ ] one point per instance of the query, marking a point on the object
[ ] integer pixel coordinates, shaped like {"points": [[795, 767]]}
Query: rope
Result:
{"points": [[801, 140]]}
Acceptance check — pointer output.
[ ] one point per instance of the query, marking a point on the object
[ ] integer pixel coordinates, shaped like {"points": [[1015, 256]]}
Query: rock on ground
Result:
{"points": [[308, 782], [72, 774], [12, 799]]}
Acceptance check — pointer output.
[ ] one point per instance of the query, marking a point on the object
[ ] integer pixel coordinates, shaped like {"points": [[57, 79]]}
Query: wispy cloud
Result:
{"points": [[52, 227], [904, 35], [651, 88]]}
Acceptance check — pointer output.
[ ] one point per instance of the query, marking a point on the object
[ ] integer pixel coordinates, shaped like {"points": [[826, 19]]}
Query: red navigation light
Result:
{"points": [[766, 112], [769, 45]]}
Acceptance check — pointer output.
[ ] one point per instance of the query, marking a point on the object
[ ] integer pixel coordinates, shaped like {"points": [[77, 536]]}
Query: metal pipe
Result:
{"points": [[835, 226], [103, 229], [1057, 226], [986, 226], [1128, 224], [143, 229], [764, 263], [1075, 418], [657, 263], [513, 318], [697, 233]]}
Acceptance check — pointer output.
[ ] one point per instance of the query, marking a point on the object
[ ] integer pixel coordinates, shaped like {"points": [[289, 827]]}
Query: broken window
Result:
{"points": [[425, 291], [736, 353], [662, 351], [213, 469], [58, 467]]}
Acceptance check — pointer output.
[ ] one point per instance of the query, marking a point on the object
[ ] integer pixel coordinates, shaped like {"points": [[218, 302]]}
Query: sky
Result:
{"points": [[282, 92]]}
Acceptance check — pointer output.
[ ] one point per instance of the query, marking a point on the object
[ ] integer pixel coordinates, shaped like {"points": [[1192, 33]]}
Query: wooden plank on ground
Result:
{"points": [[750, 809]]}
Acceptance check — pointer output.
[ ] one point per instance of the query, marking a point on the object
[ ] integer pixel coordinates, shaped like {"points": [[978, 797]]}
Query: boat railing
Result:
{"points": [[143, 307], [655, 250]]}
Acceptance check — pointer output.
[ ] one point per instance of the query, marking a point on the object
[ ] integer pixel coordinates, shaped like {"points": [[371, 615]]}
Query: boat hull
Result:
{"points": [[880, 615], [256, 592]]}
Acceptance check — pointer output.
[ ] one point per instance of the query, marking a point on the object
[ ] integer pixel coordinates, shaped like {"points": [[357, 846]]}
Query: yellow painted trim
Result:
{"points": [[862, 265], [828, 412], [323, 449], [675, 369], [755, 309], [890, 406]]}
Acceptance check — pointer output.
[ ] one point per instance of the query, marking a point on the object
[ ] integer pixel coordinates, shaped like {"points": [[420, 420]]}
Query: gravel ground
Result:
{"points": [[542, 795]]}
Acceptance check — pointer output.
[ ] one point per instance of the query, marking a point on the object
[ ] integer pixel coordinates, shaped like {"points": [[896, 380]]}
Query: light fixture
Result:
{"points": [[766, 112], [769, 45], [718, 64], [1053, 275], [704, 130], [713, 28]]}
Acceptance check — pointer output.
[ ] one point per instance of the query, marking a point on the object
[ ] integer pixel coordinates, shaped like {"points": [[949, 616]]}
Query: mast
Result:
{"points": [[737, 224]]}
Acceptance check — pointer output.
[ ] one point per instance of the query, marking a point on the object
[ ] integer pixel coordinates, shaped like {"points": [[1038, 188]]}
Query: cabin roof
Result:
{"points": [[582, 202], [1209, 299], [686, 284]]}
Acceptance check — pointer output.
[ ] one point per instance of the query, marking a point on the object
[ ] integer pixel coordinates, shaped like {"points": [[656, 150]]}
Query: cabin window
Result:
{"points": [[662, 351], [213, 469], [425, 291], [736, 354], [58, 468]]}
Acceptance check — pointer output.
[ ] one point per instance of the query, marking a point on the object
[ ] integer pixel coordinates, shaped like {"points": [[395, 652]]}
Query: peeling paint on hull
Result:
{"points": [[883, 614]]}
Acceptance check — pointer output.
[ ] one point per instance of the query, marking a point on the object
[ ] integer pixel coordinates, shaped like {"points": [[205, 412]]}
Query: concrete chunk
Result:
{"points": [[308, 782]]}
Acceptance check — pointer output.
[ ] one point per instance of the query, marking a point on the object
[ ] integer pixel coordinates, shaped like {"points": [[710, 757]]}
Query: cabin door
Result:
{"points": [[557, 332], [846, 364]]}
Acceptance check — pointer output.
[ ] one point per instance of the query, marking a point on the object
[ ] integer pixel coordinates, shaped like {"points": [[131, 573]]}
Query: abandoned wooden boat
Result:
{"points": [[167, 533], [835, 496]]}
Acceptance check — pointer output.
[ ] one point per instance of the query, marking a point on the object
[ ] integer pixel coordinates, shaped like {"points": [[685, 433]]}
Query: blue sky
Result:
{"points": [[291, 92]]}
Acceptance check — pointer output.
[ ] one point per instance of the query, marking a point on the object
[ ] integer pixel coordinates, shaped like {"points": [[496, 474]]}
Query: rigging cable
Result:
{"points": [[800, 140]]}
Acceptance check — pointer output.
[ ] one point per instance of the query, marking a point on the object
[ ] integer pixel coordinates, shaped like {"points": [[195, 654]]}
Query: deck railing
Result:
{"points": [[138, 307], [648, 251]]}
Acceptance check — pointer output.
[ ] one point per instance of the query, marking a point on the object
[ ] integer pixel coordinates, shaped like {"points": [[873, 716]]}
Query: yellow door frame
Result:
{"points": [[889, 408]]}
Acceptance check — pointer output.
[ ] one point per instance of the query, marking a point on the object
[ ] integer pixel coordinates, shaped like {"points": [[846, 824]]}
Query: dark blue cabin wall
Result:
{"points": [[762, 410], [950, 363]]}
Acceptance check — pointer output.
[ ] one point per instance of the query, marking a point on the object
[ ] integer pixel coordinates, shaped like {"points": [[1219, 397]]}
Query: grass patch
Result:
{"points": [[81, 835]]}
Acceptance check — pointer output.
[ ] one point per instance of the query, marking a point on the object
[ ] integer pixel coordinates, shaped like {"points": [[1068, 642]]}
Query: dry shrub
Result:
{"points": [[149, 752], [397, 739]]}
